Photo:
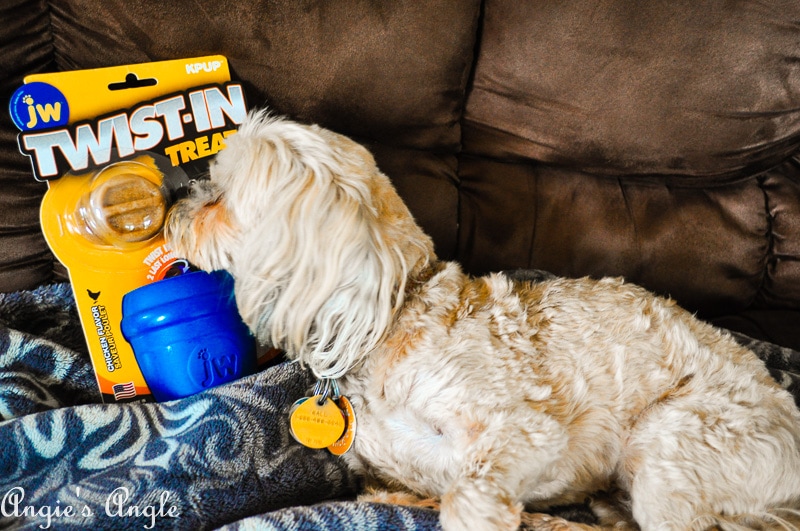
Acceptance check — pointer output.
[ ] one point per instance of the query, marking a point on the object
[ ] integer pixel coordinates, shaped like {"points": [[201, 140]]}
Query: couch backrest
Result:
{"points": [[655, 140], [705, 90]]}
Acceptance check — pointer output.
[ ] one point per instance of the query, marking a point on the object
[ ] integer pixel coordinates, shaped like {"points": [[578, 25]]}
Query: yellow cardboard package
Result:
{"points": [[117, 146]]}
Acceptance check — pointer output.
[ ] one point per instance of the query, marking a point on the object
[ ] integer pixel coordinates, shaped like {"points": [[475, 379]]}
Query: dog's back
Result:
{"points": [[712, 439], [573, 385]]}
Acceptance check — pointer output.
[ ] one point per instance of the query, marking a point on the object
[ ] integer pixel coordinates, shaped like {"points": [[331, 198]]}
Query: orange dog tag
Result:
{"points": [[317, 424], [346, 440]]}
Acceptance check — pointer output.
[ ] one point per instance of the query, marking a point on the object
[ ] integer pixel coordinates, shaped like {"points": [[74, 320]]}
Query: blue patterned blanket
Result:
{"points": [[219, 459], [208, 461]]}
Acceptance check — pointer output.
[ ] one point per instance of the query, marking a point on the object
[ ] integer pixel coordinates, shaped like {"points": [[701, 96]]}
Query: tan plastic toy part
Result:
{"points": [[124, 206]]}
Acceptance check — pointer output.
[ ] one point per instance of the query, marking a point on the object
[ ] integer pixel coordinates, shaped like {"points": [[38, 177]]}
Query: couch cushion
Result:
{"points": [[25, 47], [716, 249], [623, 87]]}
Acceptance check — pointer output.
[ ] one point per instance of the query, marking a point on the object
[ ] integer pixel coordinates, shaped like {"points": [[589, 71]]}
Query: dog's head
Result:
{"points": [[318, 241]]}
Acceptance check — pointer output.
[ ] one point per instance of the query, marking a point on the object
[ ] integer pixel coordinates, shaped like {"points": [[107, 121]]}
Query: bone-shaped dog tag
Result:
{"points": [[346, 440], [317, 422]]}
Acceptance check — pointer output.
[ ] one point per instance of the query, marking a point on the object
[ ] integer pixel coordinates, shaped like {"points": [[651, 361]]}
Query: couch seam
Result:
{"points": [[769, 255], [458, 252]]}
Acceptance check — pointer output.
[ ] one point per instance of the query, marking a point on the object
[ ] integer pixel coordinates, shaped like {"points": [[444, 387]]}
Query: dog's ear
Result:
{"points": [[333, 282], [325, 245], [333, 266]]}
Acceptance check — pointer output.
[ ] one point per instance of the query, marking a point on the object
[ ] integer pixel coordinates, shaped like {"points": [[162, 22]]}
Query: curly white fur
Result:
{"points": [[327, 279], [486, 393]]}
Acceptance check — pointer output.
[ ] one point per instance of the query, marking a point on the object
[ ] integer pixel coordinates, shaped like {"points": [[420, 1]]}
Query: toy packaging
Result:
{"points": [[117, 146]]}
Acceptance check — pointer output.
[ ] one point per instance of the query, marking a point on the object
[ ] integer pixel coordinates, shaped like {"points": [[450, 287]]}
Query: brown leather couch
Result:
{"points": [[655, 140]]}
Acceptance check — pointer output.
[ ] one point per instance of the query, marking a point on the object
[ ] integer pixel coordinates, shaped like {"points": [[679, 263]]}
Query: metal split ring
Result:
{"points": [[326, 388]]}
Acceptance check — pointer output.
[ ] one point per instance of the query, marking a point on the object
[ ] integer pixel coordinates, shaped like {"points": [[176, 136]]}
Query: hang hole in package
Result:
{"points": [[116, 147]]}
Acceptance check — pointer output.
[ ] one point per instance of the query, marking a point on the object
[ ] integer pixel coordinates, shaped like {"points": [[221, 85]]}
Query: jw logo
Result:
{"points": [[217, 368], [49, 112]]}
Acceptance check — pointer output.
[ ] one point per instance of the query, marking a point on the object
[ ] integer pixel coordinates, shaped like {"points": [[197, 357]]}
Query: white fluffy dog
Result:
{"points": [[488, 394]]}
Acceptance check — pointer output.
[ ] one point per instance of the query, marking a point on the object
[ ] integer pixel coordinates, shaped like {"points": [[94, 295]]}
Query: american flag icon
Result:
{"points": [[124, 390]]}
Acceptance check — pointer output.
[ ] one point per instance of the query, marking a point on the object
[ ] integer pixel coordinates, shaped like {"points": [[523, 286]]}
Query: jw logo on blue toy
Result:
{"points": [[217, 368]]}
